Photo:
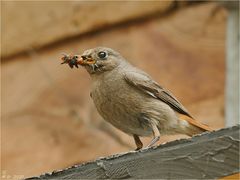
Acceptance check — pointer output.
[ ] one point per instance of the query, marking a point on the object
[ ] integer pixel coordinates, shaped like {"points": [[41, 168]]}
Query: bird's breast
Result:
{"points": [[109, 96], [119, 104]]}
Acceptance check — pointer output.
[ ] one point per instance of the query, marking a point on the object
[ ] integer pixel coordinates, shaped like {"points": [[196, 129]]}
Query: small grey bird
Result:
{"points": [[131, 100]]}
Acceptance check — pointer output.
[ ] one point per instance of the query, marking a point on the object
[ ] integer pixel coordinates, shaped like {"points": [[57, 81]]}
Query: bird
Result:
{"points": [[130, 100]]}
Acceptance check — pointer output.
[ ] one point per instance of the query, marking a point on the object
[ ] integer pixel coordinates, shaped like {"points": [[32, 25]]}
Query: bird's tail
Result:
{"points": [[191, 126]]}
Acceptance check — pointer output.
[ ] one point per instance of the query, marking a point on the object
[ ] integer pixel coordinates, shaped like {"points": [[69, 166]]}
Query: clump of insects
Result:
{"points": [[71, 60], [75, 60]]}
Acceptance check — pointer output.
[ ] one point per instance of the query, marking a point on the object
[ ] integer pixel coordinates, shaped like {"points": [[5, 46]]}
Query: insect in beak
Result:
{"points": [[72, 60], [75, 60]]}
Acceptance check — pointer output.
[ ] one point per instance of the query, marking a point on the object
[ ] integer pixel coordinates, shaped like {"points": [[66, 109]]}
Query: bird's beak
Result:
{"points": [[86, 60]]}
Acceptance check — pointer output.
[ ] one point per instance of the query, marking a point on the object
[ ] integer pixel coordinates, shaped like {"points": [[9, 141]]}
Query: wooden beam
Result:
{"points": [[209, 156]]}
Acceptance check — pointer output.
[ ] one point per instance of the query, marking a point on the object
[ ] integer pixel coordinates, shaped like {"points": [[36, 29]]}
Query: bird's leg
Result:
{"points": [[156, 135], [138, 142]]}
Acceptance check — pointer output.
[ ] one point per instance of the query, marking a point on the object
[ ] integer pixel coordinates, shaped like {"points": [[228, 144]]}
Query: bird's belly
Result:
{"points": [[131, 110], [120, 108]]}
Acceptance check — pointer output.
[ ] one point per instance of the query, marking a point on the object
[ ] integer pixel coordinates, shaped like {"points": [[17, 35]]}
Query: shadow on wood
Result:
{"points": [[209, 155]]}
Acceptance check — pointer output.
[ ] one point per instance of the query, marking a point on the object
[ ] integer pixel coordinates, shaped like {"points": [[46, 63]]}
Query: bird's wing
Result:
{"points": [[144, 83]]}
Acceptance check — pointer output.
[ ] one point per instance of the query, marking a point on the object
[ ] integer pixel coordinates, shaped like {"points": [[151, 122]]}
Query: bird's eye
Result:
{"points": [[102, 55]]}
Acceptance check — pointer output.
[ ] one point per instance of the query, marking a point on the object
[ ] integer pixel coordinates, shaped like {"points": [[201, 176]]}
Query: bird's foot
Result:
{"points": [[155, 139]]}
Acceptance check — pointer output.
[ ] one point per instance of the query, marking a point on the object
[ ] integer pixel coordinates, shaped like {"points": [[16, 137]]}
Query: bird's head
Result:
{"points": [[96, 60]]}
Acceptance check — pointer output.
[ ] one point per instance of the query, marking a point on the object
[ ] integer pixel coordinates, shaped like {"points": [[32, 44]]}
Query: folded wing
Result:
{"points": [[143, 82]]}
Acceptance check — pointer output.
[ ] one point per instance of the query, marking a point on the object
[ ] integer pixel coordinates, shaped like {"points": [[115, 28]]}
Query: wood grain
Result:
{"points": [[209, 156]]}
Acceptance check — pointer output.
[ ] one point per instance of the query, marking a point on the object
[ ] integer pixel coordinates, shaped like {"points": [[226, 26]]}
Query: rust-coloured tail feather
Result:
{"points": [[194, 127]]}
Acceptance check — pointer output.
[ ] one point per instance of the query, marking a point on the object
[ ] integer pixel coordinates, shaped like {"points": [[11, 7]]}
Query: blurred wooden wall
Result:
{"points": [[47, 114]]}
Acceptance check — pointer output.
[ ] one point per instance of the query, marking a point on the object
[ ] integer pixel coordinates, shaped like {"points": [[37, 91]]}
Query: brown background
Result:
{"points": [[48, 120]]}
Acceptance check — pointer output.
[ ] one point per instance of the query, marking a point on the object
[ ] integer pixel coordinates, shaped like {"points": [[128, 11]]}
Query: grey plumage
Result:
{"points": [[131, 101]]}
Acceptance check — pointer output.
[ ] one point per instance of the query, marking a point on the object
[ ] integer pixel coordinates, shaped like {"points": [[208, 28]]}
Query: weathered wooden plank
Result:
{"points": [[210, 155]]}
